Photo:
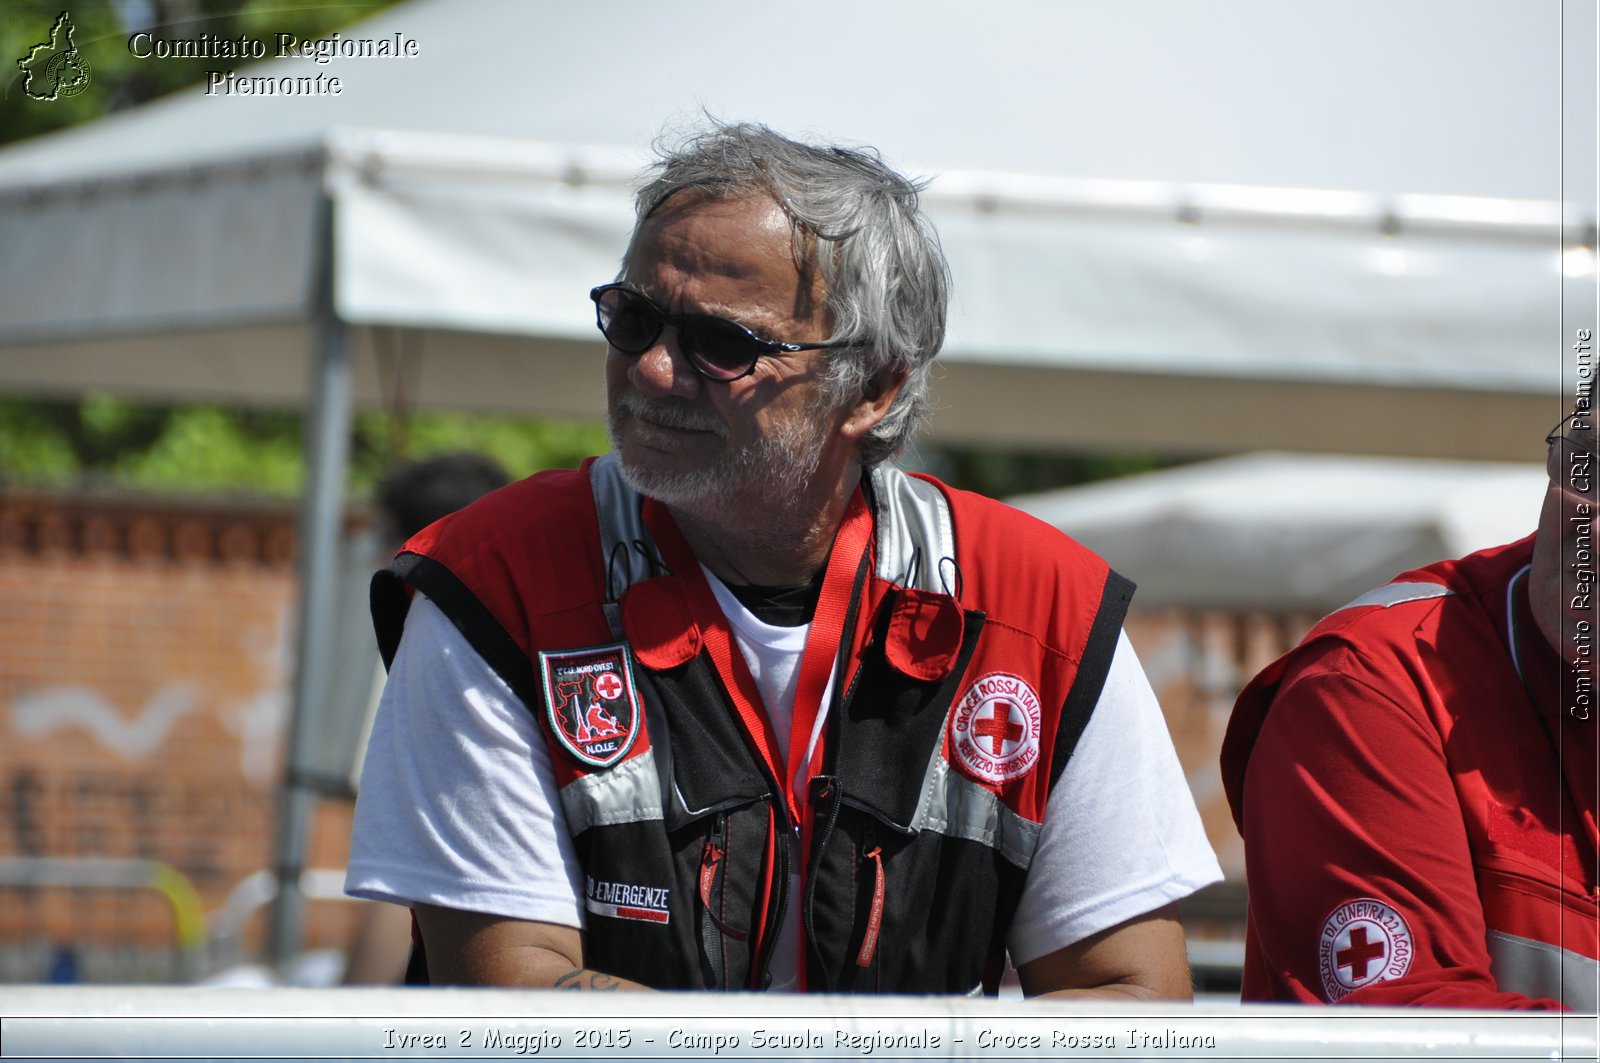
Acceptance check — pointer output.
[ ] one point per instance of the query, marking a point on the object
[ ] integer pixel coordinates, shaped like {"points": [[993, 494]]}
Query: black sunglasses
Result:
{"points": [[718, 349]]}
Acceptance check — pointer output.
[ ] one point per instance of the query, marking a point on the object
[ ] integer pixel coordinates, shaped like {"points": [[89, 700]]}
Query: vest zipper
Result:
{"points": [[713, 876], [828, 791], [780, 881]]}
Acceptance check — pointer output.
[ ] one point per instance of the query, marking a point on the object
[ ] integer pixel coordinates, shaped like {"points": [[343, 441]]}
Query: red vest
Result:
{"points": [[974, 645]]}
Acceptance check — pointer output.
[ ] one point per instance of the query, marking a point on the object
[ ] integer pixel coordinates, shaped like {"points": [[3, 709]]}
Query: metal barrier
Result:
{"points": [[204, 944], [253, 893], [88, 1023], [188, 916], [107, 873]]}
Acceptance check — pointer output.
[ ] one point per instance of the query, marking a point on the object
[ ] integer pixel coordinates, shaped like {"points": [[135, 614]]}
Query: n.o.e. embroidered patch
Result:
{"points": [[591, 702]]}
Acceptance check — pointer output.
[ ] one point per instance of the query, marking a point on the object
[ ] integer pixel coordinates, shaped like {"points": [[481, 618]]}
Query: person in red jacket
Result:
{"points": [[1416, 782]]}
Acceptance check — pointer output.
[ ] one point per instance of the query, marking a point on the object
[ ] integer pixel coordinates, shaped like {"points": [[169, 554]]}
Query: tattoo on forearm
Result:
{"points": [[591, 980]]}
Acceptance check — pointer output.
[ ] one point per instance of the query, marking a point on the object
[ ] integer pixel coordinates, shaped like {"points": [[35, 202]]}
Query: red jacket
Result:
{"points": [[1416, 830]]}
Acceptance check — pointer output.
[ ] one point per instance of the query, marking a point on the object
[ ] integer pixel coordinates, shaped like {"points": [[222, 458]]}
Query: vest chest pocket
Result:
{"points": [[888, 910], [722, 857]]}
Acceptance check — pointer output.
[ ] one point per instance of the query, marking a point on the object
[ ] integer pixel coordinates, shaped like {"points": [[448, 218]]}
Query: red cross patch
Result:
{"points": [[608, 686], [994, 730], [1362, 941], [591, 702]]}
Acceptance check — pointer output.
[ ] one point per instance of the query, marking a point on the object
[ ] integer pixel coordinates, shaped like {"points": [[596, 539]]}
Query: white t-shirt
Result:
{"points": [[459, 807]]}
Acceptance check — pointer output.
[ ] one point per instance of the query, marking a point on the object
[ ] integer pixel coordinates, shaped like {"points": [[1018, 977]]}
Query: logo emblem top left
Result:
{"points": [[592, 702], [55, 69]]}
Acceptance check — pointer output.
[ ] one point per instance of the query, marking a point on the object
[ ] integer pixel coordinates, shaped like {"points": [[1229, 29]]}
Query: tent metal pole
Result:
{"points": [[327, 443]]}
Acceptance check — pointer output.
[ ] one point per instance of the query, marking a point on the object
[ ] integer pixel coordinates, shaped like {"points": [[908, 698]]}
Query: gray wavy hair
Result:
{"points": [[885, 274]]}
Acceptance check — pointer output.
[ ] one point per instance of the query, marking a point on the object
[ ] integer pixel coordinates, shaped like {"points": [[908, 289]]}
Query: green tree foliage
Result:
{"points": [[1003, 473], [105, 441]]}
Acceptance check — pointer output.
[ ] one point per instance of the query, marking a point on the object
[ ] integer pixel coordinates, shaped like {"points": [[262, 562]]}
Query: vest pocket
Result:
{"points": [[716, 930], [847, 893]]}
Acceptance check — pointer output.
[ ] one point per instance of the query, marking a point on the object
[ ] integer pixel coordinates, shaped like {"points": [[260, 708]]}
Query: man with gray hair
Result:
{"points": [[743, 706]]}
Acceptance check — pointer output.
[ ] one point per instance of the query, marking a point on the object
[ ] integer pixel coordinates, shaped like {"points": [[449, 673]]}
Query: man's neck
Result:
{"points": [[784, 543]]}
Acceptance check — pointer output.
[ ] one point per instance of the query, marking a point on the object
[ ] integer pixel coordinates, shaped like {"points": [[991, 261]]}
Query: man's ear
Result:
{"points": [[876, 399]]}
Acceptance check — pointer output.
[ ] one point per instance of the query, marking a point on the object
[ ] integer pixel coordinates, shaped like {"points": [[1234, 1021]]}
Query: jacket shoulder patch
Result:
{"points": [[592, 702], [995, 728], [1361, 942]]}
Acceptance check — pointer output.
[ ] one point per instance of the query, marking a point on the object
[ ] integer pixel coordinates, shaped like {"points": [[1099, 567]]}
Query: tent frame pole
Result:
{"points": [[321, 518]]}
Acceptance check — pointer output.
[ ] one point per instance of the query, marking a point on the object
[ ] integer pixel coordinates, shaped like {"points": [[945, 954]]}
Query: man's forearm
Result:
{"points": [[527, 967], [1143, 958], [1120, 991], [470, 948]]}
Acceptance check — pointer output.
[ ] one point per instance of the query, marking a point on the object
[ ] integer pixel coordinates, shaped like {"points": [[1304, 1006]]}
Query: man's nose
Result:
{"points": [[663, 368]]}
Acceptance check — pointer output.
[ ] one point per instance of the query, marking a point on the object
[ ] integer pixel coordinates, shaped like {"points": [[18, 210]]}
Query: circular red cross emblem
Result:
{"points": [[1362, 941], [608, 686], [994, 730]]}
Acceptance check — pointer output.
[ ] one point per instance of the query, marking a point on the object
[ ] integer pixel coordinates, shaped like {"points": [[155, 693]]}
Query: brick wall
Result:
{"points": [[1197, 661], [145, 661]]}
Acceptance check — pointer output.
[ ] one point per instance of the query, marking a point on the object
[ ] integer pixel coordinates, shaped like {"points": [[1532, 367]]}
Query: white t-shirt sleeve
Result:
{"points": [[1121, 835], [458, 804]]}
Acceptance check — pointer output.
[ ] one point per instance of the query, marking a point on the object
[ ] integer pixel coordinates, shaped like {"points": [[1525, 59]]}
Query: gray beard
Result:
{"points": [[777, 468]]}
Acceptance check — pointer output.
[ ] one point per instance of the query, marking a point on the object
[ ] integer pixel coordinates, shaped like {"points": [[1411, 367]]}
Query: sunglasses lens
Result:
{"points": [[721, 349], [630, 323]]}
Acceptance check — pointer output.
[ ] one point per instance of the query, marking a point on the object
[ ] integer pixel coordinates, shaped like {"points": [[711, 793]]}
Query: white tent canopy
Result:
{"points": [[1291, 531], [1114, 184]]}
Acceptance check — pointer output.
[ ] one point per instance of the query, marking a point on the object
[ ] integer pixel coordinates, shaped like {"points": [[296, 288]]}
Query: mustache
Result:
{"points": [[671, 414]]}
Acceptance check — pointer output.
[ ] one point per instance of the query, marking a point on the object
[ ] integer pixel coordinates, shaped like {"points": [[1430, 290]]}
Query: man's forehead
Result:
{"points": [[740, 235], [753, 206]]}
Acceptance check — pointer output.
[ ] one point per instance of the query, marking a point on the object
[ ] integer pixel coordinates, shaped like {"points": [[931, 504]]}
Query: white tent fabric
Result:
{"points": [[1291, 531], [1459, 97], [477, 246], [1102, 270]]}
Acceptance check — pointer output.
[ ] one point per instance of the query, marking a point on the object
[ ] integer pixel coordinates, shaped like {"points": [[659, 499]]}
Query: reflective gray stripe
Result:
{"points": [[957, 807], [914, 530], [621, 517], [917, 548], [1396, 593], [628, 793], [1540, 969], [915, 538]]}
